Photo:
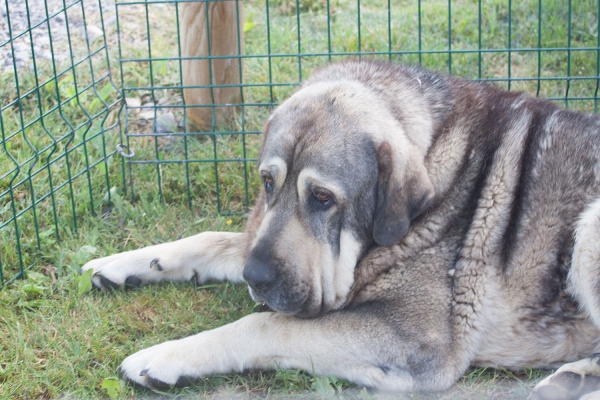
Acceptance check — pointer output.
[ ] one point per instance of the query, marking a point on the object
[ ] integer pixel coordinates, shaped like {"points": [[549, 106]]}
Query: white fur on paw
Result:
{"points": [[152, 366], [132, 267], [571, 381], [177, 363], [139, 267]]}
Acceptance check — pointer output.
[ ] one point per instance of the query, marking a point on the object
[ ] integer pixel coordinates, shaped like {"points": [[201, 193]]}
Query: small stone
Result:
{"points": [[133, 102], [110, 20], [42, 41], [166, 123], [44, 54], [163, 100], [147, 114], [94, 33], [147, 99], [21, 56]]}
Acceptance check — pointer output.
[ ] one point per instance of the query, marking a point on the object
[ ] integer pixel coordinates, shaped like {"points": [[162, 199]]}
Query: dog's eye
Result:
{"points": [[268, 182], [324, 198]]}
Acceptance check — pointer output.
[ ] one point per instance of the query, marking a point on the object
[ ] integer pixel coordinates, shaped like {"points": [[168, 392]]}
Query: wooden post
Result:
{"points": [[223, 32]]}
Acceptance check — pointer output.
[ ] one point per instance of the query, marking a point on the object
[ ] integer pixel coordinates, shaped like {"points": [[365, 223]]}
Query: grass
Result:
{"points": [[65, 196]]}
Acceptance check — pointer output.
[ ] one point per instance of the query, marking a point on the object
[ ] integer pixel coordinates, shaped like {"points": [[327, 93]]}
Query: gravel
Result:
{"points": [[35, 30], [34, 24]]}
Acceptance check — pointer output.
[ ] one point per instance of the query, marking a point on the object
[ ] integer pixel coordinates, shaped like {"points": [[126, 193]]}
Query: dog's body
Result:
{"points": [[422, 223]]}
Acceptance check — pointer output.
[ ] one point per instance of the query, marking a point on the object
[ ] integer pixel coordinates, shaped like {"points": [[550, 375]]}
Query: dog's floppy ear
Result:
{"points": [[404, 192]]}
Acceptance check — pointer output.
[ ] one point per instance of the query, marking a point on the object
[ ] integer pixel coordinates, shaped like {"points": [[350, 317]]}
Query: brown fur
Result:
{"points": [[410, 225]]}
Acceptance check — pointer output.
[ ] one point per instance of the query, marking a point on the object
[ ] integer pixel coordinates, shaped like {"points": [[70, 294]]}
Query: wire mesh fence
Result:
{"points": [[104, 100], [57, 120]]}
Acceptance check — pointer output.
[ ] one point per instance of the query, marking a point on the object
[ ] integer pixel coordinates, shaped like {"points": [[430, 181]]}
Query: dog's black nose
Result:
{"points": [[259, 273]]}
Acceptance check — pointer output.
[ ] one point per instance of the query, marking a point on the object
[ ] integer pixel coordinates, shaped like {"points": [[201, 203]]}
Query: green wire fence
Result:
{"points": [[99, 98]]}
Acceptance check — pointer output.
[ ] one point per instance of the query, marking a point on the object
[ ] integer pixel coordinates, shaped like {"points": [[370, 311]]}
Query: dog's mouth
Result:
{"points": [[277, 302], [255, 296]]}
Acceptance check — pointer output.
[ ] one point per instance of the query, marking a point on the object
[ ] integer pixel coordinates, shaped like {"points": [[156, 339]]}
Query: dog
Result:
{"points": [[409, 225]]}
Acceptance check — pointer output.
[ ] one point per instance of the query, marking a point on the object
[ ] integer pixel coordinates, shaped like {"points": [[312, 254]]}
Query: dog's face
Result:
{"points": [[333, 188]]}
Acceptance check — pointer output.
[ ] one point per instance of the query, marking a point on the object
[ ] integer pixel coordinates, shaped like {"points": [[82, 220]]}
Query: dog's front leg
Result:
{"points": [[208, 255], [355, 347]]}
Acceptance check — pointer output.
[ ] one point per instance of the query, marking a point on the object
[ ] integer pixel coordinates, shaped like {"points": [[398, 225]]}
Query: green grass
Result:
{"points": [[57, 168]]}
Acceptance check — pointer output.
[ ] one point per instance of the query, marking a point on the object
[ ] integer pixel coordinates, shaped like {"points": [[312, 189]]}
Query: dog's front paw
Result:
{"points": [[571, 381], [124, 270], [176, 363], [157, 367]]}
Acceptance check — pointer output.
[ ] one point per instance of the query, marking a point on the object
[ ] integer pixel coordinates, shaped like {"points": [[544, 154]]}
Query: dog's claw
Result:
{"points": [[144, 372], [154, 263]]}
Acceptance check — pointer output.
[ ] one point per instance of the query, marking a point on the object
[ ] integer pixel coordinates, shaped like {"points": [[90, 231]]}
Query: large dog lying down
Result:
{"points": [[410, 225]]}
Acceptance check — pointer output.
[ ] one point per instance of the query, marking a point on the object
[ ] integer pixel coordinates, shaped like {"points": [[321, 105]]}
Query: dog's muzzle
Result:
{"points": [[259, 274], [271, 282]]}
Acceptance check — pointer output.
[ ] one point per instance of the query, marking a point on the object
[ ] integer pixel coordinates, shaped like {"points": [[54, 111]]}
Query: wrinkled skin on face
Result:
{"points": [[326, 182]]}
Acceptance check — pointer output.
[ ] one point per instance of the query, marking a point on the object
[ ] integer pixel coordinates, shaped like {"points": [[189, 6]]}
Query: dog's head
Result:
{"points": [[339, 176]]}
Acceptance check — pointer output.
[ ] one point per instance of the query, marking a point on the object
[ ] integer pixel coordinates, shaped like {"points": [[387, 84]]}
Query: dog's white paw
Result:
{"points": [[207, 255], [571, 381], [157, 367], [177, 363], [125, 270]]}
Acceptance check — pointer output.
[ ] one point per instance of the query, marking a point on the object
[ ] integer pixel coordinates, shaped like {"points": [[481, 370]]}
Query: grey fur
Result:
{"points": [[424, 224]]}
